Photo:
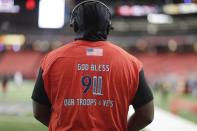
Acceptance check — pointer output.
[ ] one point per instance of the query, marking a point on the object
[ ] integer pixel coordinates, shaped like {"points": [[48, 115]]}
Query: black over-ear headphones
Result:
{"points": [[72, 20]]}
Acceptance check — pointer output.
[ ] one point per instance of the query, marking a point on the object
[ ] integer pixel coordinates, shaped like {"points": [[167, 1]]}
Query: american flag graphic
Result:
{"points": [[94, 52]]}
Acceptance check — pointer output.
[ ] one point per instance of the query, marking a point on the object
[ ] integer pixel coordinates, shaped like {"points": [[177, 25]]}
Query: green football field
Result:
{"points": [[25, 121], [164, 102], [19, 122]]}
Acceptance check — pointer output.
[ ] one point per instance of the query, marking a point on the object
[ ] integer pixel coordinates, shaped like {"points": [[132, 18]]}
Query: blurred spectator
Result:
{"points": [[18, 79], [164, 88], [192, 83], [186, 88], [4, 84]]}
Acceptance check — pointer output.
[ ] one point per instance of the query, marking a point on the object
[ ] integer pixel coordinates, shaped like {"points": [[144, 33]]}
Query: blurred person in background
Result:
{"points": [[18, 78], [89, 84], [4, 85], [191, 83]]}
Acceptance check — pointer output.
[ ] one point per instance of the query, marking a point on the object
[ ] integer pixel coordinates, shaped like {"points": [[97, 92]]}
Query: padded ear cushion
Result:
{"points": [[75, 26], [108, 28]]}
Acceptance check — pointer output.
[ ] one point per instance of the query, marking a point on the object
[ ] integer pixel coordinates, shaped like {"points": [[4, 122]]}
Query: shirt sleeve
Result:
{"points": [[39, 95], [143, 94]]}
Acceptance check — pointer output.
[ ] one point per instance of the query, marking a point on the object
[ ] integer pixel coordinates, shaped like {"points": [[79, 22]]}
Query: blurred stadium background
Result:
{"points": [[162, 34]]}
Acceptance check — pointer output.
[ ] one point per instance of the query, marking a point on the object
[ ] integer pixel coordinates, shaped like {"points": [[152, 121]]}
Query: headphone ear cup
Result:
{"points": [[108, 28], [110, 25], [75, 26]]}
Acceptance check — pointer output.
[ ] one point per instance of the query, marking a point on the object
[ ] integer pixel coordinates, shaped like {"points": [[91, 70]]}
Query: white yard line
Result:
{"points": [[165, 121], [17, 109]]}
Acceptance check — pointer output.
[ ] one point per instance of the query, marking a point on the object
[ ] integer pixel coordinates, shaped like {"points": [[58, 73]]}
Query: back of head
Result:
{"points": [[91, 20]]}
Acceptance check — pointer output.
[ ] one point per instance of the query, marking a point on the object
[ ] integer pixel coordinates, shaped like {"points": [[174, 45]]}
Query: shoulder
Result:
{"points": [[59, 51], [52, 56], [124, 54], [117, 48], [120, 51]]}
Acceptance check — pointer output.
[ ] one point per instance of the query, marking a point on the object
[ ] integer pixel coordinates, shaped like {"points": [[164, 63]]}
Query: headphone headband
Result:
{"points": [[84, 2]]}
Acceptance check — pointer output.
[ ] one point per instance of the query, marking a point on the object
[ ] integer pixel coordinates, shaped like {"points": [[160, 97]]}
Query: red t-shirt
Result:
{"points": [[90, 86]]}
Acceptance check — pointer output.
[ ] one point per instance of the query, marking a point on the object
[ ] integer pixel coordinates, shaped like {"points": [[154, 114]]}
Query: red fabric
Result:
{"points": [[63, 81]]}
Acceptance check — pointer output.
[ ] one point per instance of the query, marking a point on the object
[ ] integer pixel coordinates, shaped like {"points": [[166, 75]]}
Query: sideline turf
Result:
{"points": [[164, 103], [24, 122], [16, 93], [20, 123]]}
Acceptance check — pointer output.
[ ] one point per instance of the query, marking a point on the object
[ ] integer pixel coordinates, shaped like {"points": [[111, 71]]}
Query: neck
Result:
{"points": [[92, 36]]}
